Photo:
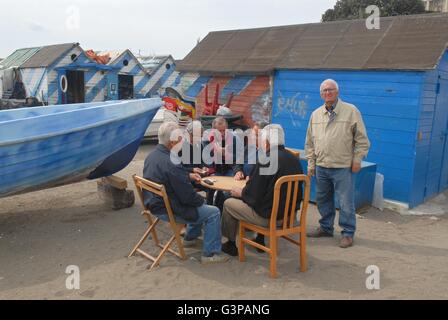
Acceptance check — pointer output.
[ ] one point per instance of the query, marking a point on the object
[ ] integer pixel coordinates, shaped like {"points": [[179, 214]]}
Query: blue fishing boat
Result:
{"points": [[45, 147]]}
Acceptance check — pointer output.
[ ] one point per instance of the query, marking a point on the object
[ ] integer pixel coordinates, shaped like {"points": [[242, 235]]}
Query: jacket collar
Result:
{"points": [[279, 148], [336, 107], [173, 156], [163, 149]]}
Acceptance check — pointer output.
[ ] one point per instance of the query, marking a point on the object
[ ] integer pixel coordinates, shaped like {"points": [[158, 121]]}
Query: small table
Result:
{"points": [[222, 183]]}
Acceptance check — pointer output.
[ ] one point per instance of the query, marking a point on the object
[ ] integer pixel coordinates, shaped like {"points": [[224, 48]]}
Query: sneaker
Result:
{"points": [[319, 233], [346, 242], [216, 258], [189, 243], [230, 249]]}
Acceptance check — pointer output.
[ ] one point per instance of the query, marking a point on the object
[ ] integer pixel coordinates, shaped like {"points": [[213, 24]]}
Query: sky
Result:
{"points": [[151, 27]]}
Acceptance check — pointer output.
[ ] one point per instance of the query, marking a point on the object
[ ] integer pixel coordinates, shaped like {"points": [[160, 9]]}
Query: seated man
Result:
{"points": [[251, 149], [225, 145], [250, 159], [254, 203], [191, 152], [188, 207]]}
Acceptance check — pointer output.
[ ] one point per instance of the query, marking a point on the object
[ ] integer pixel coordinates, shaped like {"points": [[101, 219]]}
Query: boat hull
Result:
{"points": [[88, 152]]}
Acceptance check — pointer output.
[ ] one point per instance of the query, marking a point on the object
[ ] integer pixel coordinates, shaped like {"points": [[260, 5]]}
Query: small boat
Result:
{"points": [[43, 147]]}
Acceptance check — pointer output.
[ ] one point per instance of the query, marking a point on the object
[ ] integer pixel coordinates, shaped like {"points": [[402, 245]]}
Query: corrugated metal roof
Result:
{"points": [[151, 63], [404, 42], [18, 57], [47, 55]]}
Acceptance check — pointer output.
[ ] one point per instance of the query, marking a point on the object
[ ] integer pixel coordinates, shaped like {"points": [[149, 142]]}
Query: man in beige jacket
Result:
{"points": [[336, 143]]}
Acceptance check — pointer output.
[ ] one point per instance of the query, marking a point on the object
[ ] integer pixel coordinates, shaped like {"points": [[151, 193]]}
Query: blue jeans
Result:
{"points": [[210, 217], [339, 182]]}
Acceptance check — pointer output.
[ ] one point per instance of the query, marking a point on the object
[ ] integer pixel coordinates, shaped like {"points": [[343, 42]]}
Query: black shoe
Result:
{"points": [[230, 248], [260, 240]]}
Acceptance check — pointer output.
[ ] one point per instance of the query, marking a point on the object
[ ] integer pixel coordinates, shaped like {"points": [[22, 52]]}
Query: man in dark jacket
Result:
{"points": [[191, 154], [192, 148], [164, 167], [254, 202], [224, 147], [251, 148]]}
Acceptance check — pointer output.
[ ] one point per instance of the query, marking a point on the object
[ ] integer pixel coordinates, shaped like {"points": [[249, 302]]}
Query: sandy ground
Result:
{"points": [[42, 233]]}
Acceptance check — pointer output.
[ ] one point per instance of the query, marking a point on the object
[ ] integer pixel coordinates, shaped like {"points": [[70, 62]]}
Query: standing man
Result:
{"points": [[336, 143]]}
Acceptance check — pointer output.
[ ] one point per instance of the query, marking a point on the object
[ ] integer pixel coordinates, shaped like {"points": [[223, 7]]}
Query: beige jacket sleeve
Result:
{"points": [[361, 141], [310, 155]]}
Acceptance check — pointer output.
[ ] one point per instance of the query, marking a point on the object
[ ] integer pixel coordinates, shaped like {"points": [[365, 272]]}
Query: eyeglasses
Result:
{"points": [[328, 90]]}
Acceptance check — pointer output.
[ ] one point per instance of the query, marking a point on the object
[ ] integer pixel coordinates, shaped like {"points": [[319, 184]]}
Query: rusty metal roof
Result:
{"points": [[47, 55], [403, 42]]}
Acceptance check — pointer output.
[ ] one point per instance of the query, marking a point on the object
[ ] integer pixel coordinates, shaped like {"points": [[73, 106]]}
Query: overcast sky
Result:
{"points": [[151, 26]]}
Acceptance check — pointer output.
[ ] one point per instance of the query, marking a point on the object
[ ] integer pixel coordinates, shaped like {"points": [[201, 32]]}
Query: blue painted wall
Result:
{"points": [[197, 86], [164, 76], [389, 101], [235, 85], [443, 102], [431, 165]]}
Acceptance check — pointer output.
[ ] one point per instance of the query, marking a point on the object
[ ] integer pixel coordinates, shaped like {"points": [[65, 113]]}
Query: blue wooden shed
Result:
{"points": [[397, 76], [398, 79]]}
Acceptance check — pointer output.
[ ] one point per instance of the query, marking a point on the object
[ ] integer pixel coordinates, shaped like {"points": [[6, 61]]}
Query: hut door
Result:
{"points": [[75, 87], [443, 99], [125, 87], [437, 179]]}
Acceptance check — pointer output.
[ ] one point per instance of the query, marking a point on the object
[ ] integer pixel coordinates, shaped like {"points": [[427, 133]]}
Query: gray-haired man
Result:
{"points": [[187, 205], [254, 202], [336, 143]]}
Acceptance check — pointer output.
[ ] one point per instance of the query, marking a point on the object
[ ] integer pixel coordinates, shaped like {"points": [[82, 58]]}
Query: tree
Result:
{"points": [[356, 9]]}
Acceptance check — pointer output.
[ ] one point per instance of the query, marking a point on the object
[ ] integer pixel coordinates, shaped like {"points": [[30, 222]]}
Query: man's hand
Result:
{"points": [[311, 172], [356, 167], [219, 150], [236, 192], [202, 172], [195, 177], [239, 175]]}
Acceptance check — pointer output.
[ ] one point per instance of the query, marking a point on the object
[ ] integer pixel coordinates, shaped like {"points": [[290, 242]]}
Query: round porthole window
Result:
{"points": [[63, 83], [73, 57], [125, 62], [168, 66]]}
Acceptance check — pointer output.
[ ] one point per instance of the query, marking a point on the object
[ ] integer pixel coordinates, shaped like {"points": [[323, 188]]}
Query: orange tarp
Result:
{"points": [[99, 59]]}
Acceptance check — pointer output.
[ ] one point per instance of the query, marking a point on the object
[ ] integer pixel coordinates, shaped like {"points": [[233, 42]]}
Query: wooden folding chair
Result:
{"points": [[288, 228], [144, 184]]}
